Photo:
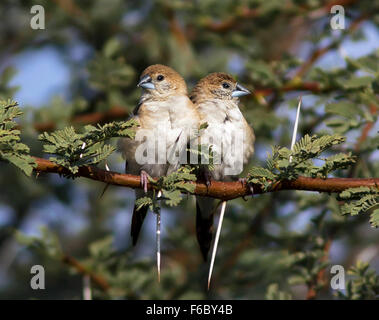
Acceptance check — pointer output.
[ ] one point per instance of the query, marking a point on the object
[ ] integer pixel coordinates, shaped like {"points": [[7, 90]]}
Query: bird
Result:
{"points": [[164, 114], [216, 98]]}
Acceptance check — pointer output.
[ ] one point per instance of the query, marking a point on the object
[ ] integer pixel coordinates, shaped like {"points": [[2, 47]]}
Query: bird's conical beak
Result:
{"points": [[240, 91], [145, 82]]}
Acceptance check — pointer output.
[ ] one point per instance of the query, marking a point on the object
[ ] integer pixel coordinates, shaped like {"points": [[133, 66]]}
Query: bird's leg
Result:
{"points": [[243, 181], [206, 176], [144, 180]]}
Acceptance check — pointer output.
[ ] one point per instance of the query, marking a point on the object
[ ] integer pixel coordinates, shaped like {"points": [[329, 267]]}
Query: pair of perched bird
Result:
{"points": [[164, 103]]}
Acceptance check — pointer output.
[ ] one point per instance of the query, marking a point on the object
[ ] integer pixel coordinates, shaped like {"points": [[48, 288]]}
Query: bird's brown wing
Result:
{"points": [[249, 141]]}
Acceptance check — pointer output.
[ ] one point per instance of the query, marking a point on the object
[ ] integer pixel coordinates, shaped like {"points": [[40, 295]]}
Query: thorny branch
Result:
{"points": [[217, 189]]}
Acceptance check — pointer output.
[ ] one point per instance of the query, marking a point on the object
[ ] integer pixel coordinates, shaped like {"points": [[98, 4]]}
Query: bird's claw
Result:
{"points": [[207, 178], [144, 180], [243, 181]]}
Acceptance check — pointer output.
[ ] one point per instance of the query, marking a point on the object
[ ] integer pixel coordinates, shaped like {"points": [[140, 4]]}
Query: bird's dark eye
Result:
{"points": [[160, 77], [226, 85]]}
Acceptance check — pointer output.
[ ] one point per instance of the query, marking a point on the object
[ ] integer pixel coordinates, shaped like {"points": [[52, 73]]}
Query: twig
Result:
{"points": [[96, 279], [320, 279]]}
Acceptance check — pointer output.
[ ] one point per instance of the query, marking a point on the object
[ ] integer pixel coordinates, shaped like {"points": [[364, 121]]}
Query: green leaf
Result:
{"points": [[174, 197], [73, 150], [273, 293], [48, 243], [360, 200], [356, 82], [374, 218], [101, 248], [143, 202], [344, 108], [11, 149]]}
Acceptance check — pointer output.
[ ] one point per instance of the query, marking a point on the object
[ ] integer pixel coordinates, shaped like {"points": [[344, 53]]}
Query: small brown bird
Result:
{"points": [[164, 114], [217, 97]]}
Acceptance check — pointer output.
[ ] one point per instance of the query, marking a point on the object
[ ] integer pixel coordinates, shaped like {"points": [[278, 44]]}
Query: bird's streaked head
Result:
{"points": [[160, 81], [218, 86]]}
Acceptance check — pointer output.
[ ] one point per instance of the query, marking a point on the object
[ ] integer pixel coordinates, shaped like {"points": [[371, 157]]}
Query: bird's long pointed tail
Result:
{"points": [[223, 207], [204, 229], [137, 221]]}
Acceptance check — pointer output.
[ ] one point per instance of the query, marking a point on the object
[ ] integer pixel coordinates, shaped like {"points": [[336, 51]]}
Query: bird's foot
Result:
{"points": [[207, 178], [244, 182], [144, 180]]}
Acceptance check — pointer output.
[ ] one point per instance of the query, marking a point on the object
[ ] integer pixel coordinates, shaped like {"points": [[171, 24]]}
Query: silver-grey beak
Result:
{"points": [[240, 91], [145, 82]]}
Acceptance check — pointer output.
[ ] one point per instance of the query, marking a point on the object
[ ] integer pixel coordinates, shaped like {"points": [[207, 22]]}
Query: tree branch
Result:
{"points": [[217, 189]]}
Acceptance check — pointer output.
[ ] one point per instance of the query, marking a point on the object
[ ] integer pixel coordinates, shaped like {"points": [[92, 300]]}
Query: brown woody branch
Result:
{"points": [[217, 189]]}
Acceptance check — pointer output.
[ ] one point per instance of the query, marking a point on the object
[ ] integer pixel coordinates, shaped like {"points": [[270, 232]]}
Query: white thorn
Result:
{"points": [[223, 206], [83, 146], [87, 293], [159, 246], [106, 166], [158, 234], [294, 134]]}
